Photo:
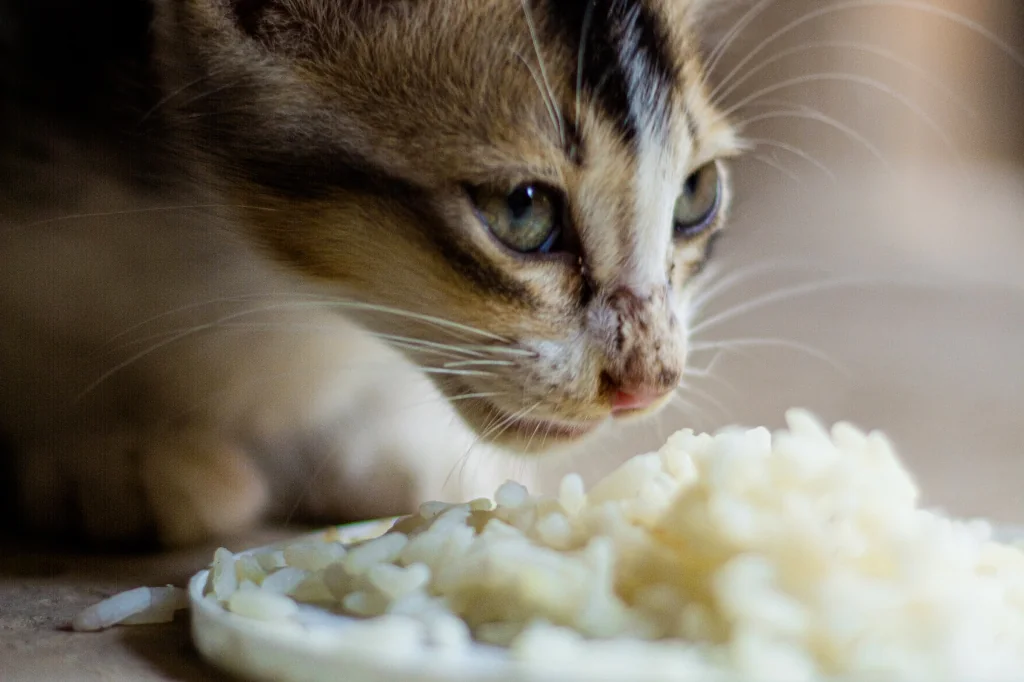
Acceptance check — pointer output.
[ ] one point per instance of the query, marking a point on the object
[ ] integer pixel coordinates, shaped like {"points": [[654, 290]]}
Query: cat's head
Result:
{"points": [[520, 193]]}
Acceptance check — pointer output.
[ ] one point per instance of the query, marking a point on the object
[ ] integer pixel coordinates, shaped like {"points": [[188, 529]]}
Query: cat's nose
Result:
{"points": [[638, 399]]}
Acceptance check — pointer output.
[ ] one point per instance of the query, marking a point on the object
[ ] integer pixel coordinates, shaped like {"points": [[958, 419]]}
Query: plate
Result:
{"points": [[316, 649]]}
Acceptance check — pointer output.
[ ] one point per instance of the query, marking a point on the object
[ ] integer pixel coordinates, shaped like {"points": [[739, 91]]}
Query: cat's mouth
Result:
{"points": [[541, 430], [523, 430]]}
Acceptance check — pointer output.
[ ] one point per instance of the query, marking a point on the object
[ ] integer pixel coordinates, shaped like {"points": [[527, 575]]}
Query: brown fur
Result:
{"points": [[340, 138]]}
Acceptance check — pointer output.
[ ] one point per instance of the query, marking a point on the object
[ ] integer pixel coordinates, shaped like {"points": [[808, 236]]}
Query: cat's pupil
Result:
{"points": [[691, 185], [520, 202]]}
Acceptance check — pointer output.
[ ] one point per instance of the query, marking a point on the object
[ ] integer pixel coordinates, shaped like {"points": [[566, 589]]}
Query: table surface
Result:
{"points": [[41, 591]]}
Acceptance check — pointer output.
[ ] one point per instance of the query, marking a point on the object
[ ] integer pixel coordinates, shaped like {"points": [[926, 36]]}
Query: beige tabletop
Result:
{"points": [[41, 591]]}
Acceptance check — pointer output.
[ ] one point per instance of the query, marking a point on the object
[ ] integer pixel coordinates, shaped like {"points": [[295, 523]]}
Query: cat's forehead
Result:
{"points": [[507, 72]]}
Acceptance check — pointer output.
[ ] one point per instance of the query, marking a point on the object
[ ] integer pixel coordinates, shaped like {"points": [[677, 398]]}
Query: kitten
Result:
{"points": [[249, 245]]}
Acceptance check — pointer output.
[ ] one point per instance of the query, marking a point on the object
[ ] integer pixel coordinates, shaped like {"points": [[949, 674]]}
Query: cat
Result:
{"points": [[296, 258]]}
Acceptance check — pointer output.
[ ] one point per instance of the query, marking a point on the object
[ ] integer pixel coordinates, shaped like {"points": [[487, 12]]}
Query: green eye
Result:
{"points": [[527, 219], [699, 202]]}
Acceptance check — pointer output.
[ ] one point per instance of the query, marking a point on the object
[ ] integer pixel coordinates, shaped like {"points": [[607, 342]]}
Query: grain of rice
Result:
{"points": [[262, 605], [140, 606], [799, 555]]}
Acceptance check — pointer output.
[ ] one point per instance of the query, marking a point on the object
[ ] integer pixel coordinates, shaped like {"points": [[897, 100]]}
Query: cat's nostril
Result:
{"points": [[630, 401]]}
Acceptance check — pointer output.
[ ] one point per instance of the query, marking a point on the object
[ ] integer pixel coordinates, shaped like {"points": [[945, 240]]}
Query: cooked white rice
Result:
{"points": [[795, 556], [140, 606]]}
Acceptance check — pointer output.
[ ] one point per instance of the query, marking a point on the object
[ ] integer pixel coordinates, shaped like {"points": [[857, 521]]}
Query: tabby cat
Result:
{"points": [[247, 245]]}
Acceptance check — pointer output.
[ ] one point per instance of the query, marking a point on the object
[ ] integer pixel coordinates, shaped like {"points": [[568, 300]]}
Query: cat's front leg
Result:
{"points": [[130, 486]]}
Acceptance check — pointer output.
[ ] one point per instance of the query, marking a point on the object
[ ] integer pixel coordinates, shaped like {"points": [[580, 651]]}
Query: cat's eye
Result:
{"points": [[528, 219], [699, 201]]}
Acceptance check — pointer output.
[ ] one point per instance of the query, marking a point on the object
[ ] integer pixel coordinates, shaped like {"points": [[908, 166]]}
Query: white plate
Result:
{"points": [[315, 649]]}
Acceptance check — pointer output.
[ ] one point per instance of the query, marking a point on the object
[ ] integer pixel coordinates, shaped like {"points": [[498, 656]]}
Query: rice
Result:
{"points": [[140, 606], [799, 555]]}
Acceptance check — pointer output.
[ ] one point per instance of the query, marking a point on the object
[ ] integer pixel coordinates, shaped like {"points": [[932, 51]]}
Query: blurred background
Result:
{"points": [[878, 238]]}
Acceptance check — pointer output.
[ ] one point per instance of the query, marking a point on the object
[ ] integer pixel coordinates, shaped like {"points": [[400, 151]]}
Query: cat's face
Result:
{"points": [[543, 178]]}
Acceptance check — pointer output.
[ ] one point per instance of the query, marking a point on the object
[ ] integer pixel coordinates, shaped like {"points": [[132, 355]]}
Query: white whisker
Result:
{"points": [[730, 37], [711, 400], [720, 94], [772, 163], [678, 401], [588, 17], [559, 120], [923, 7], [810, 288], [734, 344], [742, 275], [456, 372], [811, 114], [479, 363], [552, 113], [796, 151], [132, 211], [856, 80]]}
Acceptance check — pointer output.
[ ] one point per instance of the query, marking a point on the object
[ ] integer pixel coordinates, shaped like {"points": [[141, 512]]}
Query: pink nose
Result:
{"points": [[629, 402]]}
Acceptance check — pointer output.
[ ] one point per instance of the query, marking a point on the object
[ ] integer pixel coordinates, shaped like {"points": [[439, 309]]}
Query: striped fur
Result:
{"points": [[338, 140]]}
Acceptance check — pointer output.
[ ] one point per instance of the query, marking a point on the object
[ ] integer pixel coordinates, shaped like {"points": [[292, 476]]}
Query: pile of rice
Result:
{"points": [[798, 555]]}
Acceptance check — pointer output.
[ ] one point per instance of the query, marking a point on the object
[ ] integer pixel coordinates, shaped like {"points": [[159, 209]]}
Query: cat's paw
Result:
{"points": [[200, 486], [140, 489]]}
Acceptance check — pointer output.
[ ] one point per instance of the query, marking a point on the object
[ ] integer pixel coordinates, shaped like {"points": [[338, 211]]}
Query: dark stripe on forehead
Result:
{"points": [[599, 33]]}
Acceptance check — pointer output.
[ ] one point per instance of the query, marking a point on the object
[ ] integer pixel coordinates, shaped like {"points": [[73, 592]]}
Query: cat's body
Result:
{"points": [[190, 211]]}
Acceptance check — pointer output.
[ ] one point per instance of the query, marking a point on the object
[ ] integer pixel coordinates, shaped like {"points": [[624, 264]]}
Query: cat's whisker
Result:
{"points": [[411, 342], [195, 306], [507, 423], [533, 435], [127, 212], [421, 317], [772, 163], [685, 406], [691, 390], [197, 329], [588, 17], [552, 113], [451, 351], [755, 342], [740, 276], [167, 99], [479, 363], [312, 300], [550, 92], [461, 398], [913, 5], [212, 91], [719, 93], [457, 372], [706, 372], [496, 422], [812, 114], [796, 151], [855, 79], [805, 289], [732, 34], [460, 464]]}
